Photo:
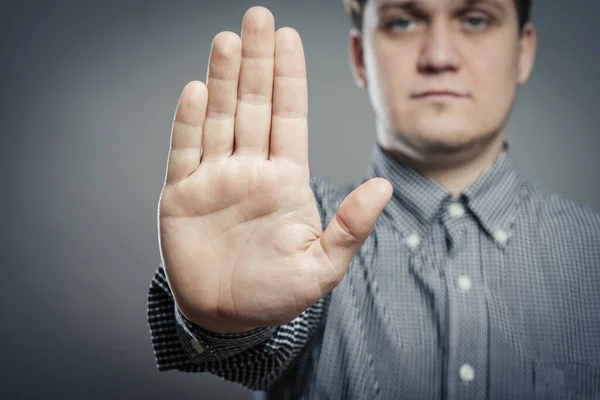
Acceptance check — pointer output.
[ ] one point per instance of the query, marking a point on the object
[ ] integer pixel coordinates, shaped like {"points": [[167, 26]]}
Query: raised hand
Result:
{"points": [[239, 229]]}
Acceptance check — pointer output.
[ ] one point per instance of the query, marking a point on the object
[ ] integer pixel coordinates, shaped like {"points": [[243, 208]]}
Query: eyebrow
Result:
{"points": [[493, 3], [413, 5], [407, 5]]}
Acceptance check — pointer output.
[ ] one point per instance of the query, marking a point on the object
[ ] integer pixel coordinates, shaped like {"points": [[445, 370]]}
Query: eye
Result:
{"points": [[475, 22], [402, 24]]}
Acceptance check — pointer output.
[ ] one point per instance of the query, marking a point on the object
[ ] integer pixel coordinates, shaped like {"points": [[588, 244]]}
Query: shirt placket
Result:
{"points": [[467, 319]]}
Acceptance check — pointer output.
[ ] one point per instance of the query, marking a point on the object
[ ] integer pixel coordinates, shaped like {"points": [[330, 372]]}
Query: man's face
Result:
{"points": [[442, 74]]}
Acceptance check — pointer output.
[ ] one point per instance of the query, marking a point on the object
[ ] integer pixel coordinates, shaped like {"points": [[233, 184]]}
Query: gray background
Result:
{"points": [[88, 96]]}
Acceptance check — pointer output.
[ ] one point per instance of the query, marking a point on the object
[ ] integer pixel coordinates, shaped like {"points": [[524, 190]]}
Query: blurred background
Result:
{"points": [[88, 92]]}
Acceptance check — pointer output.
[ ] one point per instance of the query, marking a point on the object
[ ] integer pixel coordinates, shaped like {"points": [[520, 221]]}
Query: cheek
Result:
{"points": [[495, 80], [389, 65], [494, 86], [392, 69]]}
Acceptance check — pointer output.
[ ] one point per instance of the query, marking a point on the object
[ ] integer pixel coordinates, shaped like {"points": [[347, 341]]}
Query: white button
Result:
{"points": [[198, 347], [412, 241], [464, 283], [501, 236], [456, 210], [466, 373]]}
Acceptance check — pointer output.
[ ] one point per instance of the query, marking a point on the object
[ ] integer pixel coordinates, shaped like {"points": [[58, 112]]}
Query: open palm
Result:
{"points": [[239, 228]]}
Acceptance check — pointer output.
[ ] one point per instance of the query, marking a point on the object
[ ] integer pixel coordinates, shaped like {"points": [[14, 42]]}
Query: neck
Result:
{"points": [[454, 172]]}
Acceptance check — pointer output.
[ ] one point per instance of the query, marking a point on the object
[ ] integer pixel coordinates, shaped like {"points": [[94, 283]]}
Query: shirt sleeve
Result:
{"points": [[254, 359], [203, 345]]}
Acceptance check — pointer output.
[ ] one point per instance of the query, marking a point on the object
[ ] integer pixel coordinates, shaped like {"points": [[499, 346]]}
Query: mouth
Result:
{"points": [[439, 95]]}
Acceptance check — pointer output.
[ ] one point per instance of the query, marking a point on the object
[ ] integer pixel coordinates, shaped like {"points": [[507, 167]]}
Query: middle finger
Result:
{"points": [[255, 88]]}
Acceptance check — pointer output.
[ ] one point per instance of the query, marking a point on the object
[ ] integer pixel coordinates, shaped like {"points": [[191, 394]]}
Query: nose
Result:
{"points": [[438, 52]]}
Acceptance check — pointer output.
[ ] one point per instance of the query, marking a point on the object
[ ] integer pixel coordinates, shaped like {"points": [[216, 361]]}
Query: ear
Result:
{"points": [[357, 63], [527, 49]]}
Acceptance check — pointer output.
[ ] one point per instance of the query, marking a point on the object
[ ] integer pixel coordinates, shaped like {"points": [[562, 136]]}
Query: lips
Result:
{"points": [[439, 93]]}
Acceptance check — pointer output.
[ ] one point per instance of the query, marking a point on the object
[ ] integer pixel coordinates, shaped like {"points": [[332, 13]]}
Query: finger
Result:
{"points": [[186, 133], [353, 223], [289, 126], [223, 72], [255, 90]]}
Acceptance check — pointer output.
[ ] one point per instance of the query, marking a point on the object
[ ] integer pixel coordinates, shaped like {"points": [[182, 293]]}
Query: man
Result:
{"points": [[445, 275]]}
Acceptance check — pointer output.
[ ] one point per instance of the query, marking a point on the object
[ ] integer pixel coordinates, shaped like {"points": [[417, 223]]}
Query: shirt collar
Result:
{"points": [[418, 200], [494, 196], [418, 194]]}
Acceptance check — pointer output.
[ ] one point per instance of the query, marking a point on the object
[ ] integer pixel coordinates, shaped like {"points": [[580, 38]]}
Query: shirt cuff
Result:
{"points": [[203, 346]]}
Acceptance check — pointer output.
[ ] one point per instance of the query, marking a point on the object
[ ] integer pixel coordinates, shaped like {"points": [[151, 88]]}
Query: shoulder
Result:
{"points": [[563, 221], [557, 209]]}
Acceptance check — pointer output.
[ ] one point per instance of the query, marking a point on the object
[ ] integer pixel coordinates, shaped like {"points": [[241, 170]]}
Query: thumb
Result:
{"points": [[353, 222]]}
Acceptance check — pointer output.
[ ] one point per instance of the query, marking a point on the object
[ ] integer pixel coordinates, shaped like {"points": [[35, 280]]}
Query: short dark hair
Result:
{"points": [[355, 9]]}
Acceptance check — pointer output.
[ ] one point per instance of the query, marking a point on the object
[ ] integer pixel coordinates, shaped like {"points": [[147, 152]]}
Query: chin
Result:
{"points": [[443, 139]]}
